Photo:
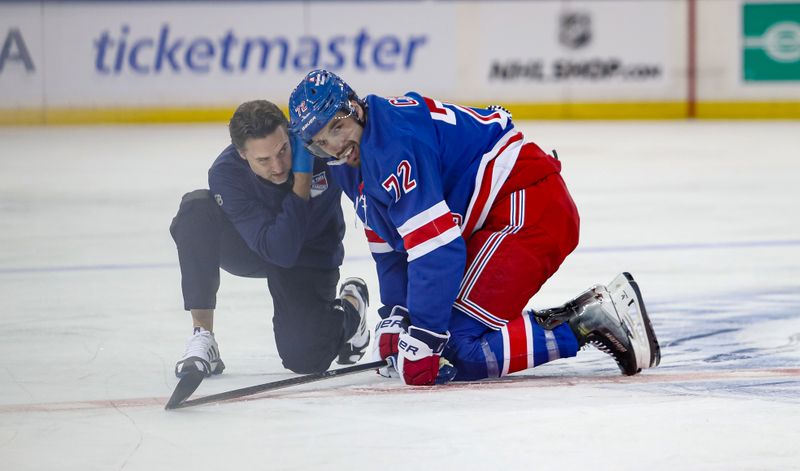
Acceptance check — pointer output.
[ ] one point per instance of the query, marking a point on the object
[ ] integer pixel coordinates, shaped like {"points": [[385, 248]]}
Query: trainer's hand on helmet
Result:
{"points": [[302, 160]]}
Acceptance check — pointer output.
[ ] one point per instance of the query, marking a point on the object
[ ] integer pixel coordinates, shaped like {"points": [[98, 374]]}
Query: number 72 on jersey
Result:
{"points": [[400, 182]]}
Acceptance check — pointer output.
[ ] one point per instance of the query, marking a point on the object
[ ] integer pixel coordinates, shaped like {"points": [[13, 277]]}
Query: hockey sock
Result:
{"points": [[523, 344]]}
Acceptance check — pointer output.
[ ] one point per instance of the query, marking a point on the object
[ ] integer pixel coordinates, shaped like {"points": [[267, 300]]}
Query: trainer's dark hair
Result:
{"points": [[254, 120]]}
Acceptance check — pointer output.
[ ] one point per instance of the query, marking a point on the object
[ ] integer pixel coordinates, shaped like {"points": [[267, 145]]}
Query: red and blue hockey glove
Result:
{"points": [[302, 160], [419, 358], [387, 334]]}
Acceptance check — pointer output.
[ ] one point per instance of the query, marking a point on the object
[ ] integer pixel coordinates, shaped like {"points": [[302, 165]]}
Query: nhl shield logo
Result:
{"points": [[575, 29], [319, 183]]}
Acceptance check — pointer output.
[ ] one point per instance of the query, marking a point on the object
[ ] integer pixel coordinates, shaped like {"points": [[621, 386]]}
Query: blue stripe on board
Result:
{"points": [[609, 249]]}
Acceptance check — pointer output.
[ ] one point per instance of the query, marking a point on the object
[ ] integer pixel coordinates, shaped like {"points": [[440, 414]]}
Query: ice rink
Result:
{"points": [[704, 214]]}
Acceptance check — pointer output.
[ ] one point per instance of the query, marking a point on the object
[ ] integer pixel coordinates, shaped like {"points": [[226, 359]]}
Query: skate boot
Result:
{"points": [[613, 320], [627, 298], [354, 348], [202, 354]]}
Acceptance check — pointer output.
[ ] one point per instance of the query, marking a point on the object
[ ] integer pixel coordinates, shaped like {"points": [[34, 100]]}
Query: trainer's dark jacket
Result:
{"points": [[278, 225]]}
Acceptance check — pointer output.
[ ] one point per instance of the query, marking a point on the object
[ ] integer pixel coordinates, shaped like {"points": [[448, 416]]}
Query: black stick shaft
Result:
{"points": [[305, 379]]}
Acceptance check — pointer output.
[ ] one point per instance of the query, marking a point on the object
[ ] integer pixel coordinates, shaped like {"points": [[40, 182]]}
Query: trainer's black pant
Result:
{"points": [[309, 331]]}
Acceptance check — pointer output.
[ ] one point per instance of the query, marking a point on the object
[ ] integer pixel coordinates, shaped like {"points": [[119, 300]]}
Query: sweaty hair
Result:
{"points": [[254, 120]]}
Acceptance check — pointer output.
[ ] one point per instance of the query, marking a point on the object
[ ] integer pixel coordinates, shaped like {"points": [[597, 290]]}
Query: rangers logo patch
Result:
{"points": [[319, 183]]}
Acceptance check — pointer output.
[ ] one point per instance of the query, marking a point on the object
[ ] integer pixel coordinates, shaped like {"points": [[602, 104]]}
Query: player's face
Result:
{"points": [[269, 157], [340, 138]]}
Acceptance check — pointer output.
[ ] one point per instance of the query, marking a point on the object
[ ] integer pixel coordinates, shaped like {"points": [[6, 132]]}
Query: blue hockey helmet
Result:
{"points": [[316, 100]]}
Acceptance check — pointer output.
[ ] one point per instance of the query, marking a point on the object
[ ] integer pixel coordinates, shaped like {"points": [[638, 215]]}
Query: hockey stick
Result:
{"points": [[186, 386], [178, 402]]}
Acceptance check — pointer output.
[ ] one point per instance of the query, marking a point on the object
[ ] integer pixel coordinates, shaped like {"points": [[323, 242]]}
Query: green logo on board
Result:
{"points": [[771, 41]]}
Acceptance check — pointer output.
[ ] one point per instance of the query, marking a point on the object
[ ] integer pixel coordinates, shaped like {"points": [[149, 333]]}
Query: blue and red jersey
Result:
{"points": [[430, 172]]}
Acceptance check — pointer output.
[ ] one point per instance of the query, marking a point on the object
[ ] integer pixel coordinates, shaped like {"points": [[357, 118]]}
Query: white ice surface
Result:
{"points": [[705, 215]]}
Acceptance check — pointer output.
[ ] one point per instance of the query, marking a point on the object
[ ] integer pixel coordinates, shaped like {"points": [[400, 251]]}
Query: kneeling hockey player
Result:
{"points": [[466, 221]]}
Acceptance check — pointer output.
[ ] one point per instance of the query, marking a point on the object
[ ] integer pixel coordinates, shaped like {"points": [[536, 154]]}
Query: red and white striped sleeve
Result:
{"points": [[428, 230], [376, 244]]}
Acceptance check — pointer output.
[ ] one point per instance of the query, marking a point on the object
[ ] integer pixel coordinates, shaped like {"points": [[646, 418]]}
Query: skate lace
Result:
{"points": [[201, 345]]}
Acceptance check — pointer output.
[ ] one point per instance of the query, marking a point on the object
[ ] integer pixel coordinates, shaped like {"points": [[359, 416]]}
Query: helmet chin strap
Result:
{"points": [[350, 112]]}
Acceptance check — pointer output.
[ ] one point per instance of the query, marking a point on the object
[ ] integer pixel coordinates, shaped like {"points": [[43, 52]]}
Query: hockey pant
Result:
{"points": [[529, 231]]}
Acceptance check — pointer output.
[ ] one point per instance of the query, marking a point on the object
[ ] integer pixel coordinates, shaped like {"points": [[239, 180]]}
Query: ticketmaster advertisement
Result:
{"points": [[146, 53], [66, 58]]}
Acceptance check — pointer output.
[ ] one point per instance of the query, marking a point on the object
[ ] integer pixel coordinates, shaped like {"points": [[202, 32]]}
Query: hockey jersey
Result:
{"points": [[278, 225], [429, 173]]}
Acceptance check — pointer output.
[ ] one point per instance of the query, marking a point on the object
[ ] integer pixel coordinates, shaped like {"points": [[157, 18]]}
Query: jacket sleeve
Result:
{"points": [[276, 236]]}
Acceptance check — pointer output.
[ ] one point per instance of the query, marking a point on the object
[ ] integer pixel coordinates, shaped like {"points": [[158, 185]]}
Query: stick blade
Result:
{"points": [[186, 386]]}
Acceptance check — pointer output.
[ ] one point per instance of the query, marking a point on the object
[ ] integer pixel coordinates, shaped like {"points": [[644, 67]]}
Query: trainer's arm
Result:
{"points": [[277, 237]]}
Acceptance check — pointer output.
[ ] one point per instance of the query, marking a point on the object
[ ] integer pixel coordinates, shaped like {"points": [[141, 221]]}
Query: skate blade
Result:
{"points": [[187, 385], [627, 299]]}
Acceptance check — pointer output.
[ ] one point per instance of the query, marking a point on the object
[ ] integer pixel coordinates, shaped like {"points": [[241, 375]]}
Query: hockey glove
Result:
{"points": [[302, 160], [387, 333], [419, 358]]}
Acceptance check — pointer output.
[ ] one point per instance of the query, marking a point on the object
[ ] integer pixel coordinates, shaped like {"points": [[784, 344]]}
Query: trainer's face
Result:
{"points": [[341, 137], [269, 157]]}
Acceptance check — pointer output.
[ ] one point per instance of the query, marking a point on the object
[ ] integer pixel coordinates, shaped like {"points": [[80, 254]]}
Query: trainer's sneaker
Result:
{"points": [[613, 320], [354, 348], [202, 354]]}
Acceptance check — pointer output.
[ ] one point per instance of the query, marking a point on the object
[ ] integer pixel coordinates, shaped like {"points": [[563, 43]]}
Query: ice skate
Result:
{"points": [[201, 355], [627, 299], [354, 348], [612, 319]]}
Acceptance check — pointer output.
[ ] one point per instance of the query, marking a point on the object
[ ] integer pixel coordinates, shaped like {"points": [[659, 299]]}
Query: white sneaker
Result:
{"points": [[202, 354], [354, 348]]}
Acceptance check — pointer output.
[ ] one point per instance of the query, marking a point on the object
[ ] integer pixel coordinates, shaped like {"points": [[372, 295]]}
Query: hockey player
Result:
{"points": [[273, 213], [466, 221]]}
